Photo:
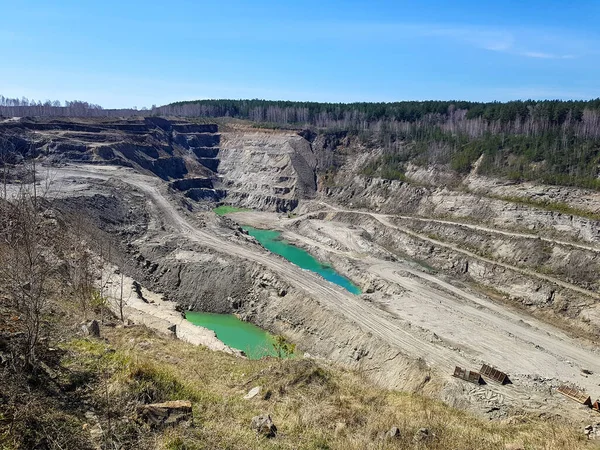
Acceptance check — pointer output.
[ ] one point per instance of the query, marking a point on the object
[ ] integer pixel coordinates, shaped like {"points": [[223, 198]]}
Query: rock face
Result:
{"points": [[423, 435], [266, 170], [592, 431], [264, 426], [91, 328], [519, 239], [252, 393], [263, 170], [390, 435], [170, 149], [166, 414], [397, 197]]}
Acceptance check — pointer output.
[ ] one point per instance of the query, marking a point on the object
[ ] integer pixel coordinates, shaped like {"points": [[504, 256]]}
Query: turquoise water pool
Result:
{"points": [[252, 340], [271, 240]]}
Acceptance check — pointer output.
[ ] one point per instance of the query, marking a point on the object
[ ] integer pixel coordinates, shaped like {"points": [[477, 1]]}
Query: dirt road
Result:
{"points": [[476, 327], [385, 220]]}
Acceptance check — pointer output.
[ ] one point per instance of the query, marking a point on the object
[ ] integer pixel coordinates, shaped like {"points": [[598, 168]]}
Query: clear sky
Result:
{"points": [[138, 53]]}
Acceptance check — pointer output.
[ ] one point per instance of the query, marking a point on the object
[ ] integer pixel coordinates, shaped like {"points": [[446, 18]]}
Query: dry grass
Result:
{"points": [[313, 406]]}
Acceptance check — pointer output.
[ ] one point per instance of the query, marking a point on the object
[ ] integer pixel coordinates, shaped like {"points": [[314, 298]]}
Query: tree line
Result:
{"points": [[552, 141], [358, 114], [24, 107]]}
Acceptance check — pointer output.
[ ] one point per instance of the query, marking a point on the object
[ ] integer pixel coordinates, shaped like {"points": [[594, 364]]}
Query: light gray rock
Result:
{"points": [[91, 328], [393, 433], [264, 426], [422, 435], [252, 393]]}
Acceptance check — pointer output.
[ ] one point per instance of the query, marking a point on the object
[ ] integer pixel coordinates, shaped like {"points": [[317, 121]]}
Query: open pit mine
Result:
{"points": [[450, 289]]}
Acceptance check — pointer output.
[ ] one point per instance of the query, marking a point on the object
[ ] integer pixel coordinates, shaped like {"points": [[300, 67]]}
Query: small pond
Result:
{"points": [[271, 240], [228, 209], [252, 340]]}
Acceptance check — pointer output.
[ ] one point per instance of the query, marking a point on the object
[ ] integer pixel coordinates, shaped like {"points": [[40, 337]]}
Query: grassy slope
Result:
{"points": [[313, 406]]}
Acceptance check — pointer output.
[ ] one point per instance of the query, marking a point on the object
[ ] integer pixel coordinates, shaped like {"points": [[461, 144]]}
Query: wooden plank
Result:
{"points": [[596, 405], [467, 375], [575, 394], [493, 374]]}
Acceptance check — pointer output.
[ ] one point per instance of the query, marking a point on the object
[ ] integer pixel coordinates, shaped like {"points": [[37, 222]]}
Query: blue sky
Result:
{"points": [[138, 53]]}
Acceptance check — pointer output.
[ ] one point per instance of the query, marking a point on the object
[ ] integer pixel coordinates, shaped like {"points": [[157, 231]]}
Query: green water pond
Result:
{"points": [[252, 340], [228, 209], [271, 240]]}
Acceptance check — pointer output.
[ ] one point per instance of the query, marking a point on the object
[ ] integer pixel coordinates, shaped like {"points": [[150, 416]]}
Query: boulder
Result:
{"points": [[166, 414], [592, 431], [263, 425], [393, 433], [91, 328], [137, 287]]}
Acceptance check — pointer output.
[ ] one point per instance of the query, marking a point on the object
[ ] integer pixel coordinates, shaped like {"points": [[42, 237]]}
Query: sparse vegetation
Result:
{"points": [[85, 391], [389, 167], [551, 141], [559, 207], [312, 405], [61, 390], [283, 347]]}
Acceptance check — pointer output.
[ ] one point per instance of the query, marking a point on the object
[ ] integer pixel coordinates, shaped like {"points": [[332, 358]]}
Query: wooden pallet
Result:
{"points": [[575, 394], [493, 374], [467, 375]]}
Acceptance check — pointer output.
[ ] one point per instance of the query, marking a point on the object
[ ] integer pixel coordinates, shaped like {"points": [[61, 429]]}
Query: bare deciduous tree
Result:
{"points": [[27, 269]]}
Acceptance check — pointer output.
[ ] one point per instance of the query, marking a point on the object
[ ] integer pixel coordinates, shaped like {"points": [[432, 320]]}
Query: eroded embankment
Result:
{"points": [[203, 280], [461, 205], [520, 283], [127, 299]]}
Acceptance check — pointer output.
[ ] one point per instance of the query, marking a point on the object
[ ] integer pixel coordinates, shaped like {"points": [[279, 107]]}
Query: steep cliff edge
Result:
{"points": [[261, 169], [163, 147], [267, 170]]}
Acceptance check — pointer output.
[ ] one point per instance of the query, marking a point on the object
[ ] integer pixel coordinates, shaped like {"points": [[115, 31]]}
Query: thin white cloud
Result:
{"points": [[515, 42], [528, 43], [542, 55], [497, 46], [481, 37]]}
